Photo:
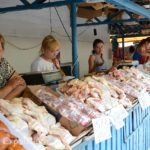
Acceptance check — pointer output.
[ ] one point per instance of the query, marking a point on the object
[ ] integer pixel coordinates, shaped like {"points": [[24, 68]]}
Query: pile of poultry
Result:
{"points": [[36, 123], [84, 100], [69, 107], [130, 80], [96, 92], [105, 92], [147, 67]]}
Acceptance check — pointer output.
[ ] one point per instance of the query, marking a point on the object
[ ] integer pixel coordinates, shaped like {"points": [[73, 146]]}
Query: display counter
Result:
{"points": [[135, 135], [98, 109]]}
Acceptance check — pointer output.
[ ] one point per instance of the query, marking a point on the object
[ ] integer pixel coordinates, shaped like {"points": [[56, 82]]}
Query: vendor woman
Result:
{"points": [[96, 61], [11, 83], [47, 61]]}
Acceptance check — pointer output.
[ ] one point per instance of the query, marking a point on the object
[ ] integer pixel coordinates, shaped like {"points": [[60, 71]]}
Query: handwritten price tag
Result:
{"points": [[144, 100], [101, 128], [117, 114]]}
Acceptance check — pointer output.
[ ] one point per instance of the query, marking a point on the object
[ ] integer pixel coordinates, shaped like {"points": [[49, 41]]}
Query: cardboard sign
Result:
{"points": [[101, 128], [117, 114], [144, 99]]}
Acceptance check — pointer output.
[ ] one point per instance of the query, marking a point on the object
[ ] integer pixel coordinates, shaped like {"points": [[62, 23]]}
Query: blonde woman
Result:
{"points": [[11, 83], [47, 60]]}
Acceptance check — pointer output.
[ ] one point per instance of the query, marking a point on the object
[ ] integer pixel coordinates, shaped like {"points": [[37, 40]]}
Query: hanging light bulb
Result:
{"points": [[95, 32], [103, 16]]}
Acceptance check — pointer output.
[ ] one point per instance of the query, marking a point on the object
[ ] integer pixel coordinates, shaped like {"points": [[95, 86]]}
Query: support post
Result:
{"points": [[74, 40], [123, 47]]}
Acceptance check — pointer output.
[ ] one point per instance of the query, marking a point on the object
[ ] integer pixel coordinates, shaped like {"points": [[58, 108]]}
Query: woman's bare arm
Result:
{"points": [[56, 63], [16, 92], [14, 86], [4, 91], [92, 67]]}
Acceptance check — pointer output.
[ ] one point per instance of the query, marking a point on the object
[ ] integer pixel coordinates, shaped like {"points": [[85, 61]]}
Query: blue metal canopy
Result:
{"points": [[130, 6], [38, 4], [107, 21]]}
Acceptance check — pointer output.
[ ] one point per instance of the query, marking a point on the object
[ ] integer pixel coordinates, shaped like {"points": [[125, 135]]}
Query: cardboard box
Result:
{"points": [[95, 6], [88, 13], [118, 17], [74, 128], [89, 10], [111, 6], [30, 92], [92, 10]]}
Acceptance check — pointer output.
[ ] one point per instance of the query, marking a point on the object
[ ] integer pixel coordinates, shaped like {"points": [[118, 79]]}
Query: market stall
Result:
{"points": [[93, 113], [70, 121]]}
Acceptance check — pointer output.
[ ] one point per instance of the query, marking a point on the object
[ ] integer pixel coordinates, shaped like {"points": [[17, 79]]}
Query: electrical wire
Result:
{"points": [[50, 19], [63, 25], [74, 65], [68, 37], [82, 31], [51, 30], [79, 34], [23, 48]]}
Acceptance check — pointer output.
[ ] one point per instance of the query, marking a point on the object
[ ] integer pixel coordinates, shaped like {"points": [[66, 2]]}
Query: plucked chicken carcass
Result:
{"points": [[137, 76], [12, 108], [52, 142], [128, 79], [38, 115], [97, 92], [115, 94], [110, 95], [101, 90], [49, 99], [123, 86], [20, 124], [65, 136], [147, 66], [36, 125], [59, 138], [76, 88], [29, 112], [70, 108]]}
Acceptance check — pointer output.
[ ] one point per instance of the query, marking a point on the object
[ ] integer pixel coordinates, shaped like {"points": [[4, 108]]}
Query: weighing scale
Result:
{"points": [[42, 78], [128, 63]]}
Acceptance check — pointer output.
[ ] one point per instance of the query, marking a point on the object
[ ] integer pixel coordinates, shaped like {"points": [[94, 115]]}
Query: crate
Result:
{"points": [[135, 135]]}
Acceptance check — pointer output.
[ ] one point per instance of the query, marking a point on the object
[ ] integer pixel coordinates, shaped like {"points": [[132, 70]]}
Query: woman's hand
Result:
{"points": [[16, 81], [99, 64], [13, 88]]}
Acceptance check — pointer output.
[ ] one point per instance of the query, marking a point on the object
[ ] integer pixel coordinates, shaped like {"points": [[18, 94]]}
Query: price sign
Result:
{"points": [[144, 99], [117, 114], [101, 128]]}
